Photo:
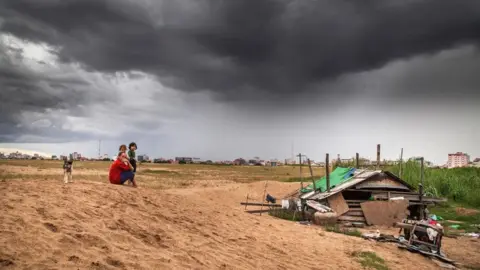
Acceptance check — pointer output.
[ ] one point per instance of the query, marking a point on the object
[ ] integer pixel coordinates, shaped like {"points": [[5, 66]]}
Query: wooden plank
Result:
{"points": [[257, 211], [398, 194], [318, 206], [350, 218], [420, 227], [384, 212], [338, 204], [261, 204], [414, 198], [355, 213]]}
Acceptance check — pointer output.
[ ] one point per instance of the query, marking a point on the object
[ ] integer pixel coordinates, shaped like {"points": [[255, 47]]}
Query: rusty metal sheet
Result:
{"points": [[384, 212], [382, 183], [338, 204]]}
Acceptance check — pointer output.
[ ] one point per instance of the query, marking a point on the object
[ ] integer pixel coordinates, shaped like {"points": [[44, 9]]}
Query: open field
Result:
{"points": [[180, 217], [157, 175]]}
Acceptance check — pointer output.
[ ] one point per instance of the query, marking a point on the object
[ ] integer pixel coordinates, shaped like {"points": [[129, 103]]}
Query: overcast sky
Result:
{"points": [[227, 79]]}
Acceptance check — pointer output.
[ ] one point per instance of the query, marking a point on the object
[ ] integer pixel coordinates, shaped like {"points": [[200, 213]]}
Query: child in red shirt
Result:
{"points": [[120, 172]]}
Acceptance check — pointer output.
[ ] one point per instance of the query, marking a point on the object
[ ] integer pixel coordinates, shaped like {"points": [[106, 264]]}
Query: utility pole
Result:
{"points": [[99, 149]]}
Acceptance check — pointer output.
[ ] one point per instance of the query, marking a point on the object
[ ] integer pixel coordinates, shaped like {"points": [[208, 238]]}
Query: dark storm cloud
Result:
{"points": [[236, 48], [23, 90]]}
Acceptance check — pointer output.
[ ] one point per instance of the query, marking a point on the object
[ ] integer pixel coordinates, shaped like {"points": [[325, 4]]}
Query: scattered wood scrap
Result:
{"points": [[318, 206], [261, 204]]}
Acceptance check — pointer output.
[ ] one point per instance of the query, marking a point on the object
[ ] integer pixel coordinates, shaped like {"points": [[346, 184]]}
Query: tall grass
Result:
{"points": [[461, 185]]}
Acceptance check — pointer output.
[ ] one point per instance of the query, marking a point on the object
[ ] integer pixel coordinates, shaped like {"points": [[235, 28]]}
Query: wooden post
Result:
{"points": [[311, 175], [421, 189], [420, 194], [327, 171], [422, 170], [264, 193], [401, 163], [357, 161], [378, 156]]}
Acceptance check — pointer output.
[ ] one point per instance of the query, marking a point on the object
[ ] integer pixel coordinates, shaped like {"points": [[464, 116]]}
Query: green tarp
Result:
{"points": [[338, 176]]}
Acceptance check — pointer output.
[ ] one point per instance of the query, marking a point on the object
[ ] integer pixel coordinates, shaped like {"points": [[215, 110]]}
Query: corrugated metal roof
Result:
{"points": [[359, 176]]}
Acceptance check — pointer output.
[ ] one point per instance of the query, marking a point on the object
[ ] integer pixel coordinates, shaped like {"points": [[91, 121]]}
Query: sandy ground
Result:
{"points": [[45, 224]]}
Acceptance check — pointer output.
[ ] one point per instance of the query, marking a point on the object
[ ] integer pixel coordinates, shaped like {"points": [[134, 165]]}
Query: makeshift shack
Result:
{"points": [[367, 197]]}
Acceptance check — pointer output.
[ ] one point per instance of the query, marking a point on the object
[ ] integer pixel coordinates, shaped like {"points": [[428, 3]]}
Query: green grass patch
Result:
{"points": [[449, 212], [370, 260], [459, 185], [286, 214], [347, 231]]}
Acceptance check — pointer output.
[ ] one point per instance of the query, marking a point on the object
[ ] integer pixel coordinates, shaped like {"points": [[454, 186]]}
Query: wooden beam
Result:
{"points": [[420, 189], [311, 175], [261, 204], [257, 211], [327, 171], [351, 218], [401, 164], [378, 157]]}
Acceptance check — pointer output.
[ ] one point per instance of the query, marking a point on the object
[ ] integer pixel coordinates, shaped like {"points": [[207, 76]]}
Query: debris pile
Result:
{"points": [[424, 237]]}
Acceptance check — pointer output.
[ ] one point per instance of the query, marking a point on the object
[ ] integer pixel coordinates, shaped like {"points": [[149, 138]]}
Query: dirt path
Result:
{"points": [[90, 225]]}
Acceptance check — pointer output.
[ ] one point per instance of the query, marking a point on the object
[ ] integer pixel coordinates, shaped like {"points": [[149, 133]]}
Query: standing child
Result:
{"points": [[123, 149], [132, 156]]}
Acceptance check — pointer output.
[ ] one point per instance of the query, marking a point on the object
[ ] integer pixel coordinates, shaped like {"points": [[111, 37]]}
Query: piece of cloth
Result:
{"points": [[125, 176], [116, 170], [432, 234]]}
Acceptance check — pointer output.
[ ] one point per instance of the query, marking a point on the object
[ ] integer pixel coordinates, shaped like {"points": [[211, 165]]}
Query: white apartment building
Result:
{"points": [[458, 159]]}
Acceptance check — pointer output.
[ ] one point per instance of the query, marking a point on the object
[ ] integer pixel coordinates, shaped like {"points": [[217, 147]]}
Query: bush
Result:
{"points": [[461, 185]]}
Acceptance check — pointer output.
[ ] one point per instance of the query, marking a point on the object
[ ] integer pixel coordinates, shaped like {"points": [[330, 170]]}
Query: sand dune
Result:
{"points": [[91, 225]]}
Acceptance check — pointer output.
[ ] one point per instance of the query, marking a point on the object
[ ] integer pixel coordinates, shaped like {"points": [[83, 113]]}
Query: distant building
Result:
{"points": [[290, 161], [143, 158], [458, 159], [364, 161], [183, 159], [76, 156], [476, 162]]}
